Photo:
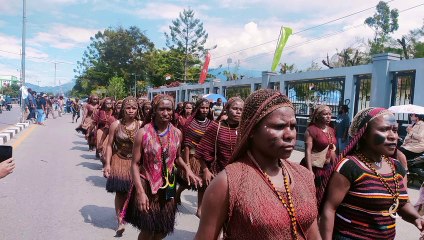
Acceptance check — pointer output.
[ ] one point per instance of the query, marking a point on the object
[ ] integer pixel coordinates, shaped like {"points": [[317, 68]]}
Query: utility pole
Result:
{"points": [[23, 59]]}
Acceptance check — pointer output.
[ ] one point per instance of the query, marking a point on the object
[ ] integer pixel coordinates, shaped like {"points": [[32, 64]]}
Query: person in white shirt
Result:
{"points": [[217, 108], [413, 145]]}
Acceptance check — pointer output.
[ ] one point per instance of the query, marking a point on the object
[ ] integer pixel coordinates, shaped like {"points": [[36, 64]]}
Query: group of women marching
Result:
{"points": [[239, 165]]}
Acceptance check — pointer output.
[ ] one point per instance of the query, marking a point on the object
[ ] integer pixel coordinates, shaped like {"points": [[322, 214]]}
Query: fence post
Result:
{"points": [[381, 81], [266, 77], [419, 85]]}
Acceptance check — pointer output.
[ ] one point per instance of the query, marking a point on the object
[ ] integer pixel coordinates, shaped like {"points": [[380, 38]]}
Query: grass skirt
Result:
{"points": [[159, 219], [195, 166], [120, 175], [85, 125]]}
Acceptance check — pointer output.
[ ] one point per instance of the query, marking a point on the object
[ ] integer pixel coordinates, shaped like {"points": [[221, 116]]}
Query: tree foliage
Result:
{"points": [[346, 58], [288, 68], [384, 22], [188, 37], [11, 90], [114, 52], [411, 44], [116, 88]]}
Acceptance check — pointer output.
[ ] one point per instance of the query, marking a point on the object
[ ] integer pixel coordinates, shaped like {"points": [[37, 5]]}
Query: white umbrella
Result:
{"points": [[409, 108]]}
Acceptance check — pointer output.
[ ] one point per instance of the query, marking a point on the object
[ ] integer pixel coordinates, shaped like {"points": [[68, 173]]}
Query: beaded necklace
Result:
{"points": [[327, 133], [130, 133], [164, 154], [288, 205], [395, 194]]}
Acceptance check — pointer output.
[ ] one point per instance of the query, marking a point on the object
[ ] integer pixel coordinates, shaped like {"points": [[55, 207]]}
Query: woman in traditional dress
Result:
{"points": [[366, 191], [217, 145], [76, 110], [87, 121], [117, 109], [184, 115], [118, 157], [193, 132], [261, 194], [102, 119], [156, 151], [145, 109], [320, 152]]}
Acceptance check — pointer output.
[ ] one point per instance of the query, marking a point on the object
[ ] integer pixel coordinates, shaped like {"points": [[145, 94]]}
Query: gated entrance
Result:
{"points": [[362, 92], [403, 84], [305, 95]]}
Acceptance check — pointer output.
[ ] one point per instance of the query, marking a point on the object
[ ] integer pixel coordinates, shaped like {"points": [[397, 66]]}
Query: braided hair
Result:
{"points": [[196, 111], [359, 126], [258, 105], [155, 103], [127, 101], [227, 107]]}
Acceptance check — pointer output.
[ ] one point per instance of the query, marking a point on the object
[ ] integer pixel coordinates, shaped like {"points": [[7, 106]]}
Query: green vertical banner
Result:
{"points": [[285, 33]]}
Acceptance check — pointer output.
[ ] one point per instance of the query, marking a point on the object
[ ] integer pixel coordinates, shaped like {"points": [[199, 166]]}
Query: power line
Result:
{"points": [[40, 58], [303, 30], [319, 38]]}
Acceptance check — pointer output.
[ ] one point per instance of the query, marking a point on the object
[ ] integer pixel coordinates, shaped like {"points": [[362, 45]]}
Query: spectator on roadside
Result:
{"points": [[41, 109], [217, 108], [342, 127], [30, 104], [6, 167], [413, 145]]}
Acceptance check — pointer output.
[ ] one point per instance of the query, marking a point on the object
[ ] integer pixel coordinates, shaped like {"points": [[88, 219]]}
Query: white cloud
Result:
{"points": [[11, 49], [231, 37], [159, 11], [63, 37]]}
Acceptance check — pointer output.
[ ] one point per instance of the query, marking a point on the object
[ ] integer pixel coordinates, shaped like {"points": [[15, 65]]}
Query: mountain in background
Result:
{"points": [[52, 90]]}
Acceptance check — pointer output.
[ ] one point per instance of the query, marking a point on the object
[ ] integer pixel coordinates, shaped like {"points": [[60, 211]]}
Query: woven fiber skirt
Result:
{"points": [[195, 167], [120, 175], [159, 219]]}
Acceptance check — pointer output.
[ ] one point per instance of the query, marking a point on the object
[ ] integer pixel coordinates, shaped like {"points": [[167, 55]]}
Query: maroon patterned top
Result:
{"points": [[225, 144], [255, 212]]}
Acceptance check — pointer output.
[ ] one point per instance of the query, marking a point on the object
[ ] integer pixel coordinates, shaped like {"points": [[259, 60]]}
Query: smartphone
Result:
{"points": [[5, 152]]}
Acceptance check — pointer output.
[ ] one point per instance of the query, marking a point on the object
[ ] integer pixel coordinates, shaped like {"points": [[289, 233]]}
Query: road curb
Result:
{"points": [[10, 132]]}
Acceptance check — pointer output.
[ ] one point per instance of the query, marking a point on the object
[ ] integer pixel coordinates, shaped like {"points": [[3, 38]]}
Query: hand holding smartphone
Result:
{"points": [[6, 162], [5, 152]]}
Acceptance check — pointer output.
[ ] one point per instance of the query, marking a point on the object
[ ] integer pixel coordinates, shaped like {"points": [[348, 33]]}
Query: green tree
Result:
{"points": [[11, 90], [163, 62], [384, 22], [287, 68], [188, 37], [411, 45], [116, 88], [114, 52], [346, 58]]}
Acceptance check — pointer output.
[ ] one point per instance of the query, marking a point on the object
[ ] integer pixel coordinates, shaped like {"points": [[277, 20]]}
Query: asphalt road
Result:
{"points": [[10, 118], [58, 192]]}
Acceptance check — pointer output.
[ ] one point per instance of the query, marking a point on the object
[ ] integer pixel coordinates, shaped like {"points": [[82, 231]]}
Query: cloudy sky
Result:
{"points": [[244, 30]]}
